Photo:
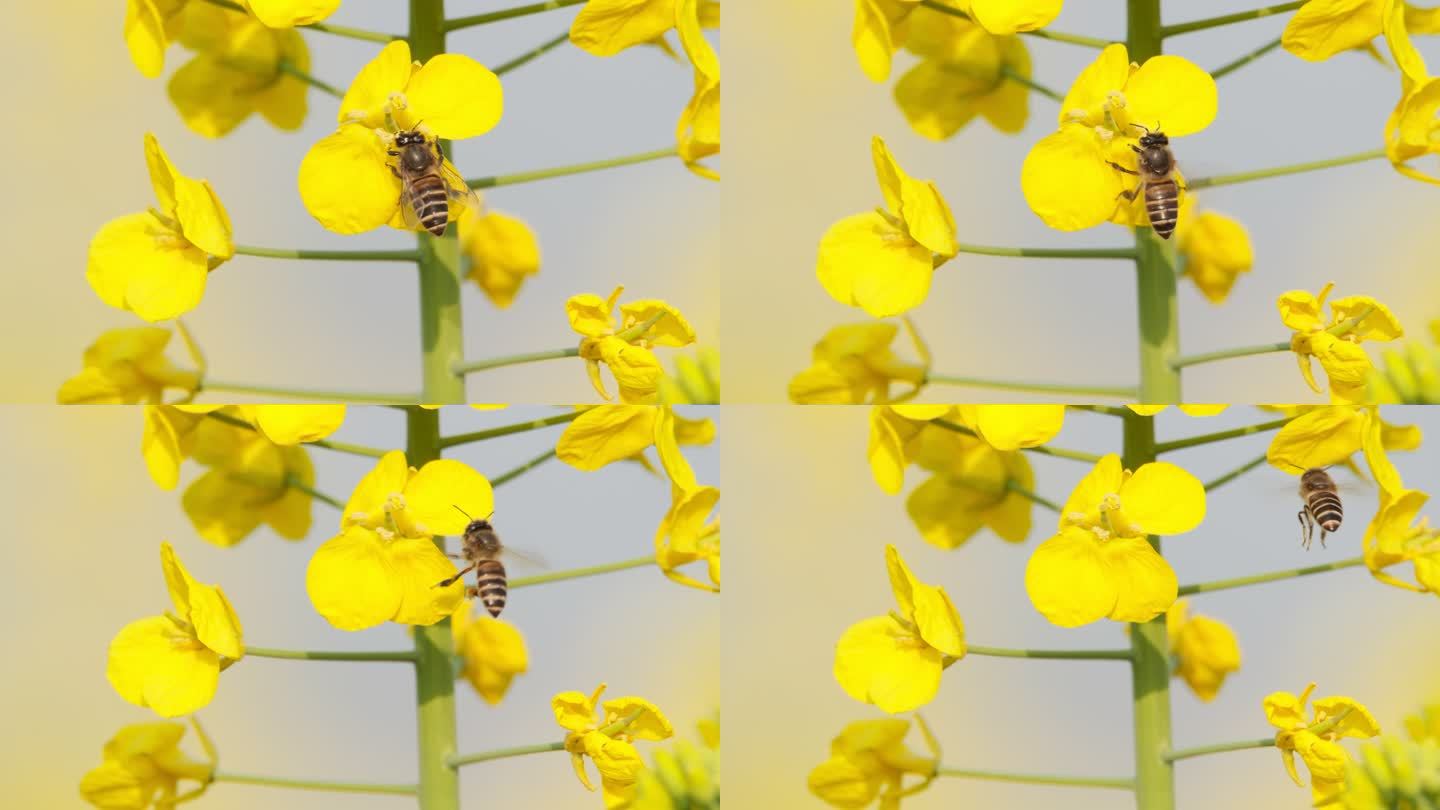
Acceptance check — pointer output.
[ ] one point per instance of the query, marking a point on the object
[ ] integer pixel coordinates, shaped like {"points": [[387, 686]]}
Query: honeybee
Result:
{"points": [[1322, 505], [480, 549], [1162, 193], [428, 183]]}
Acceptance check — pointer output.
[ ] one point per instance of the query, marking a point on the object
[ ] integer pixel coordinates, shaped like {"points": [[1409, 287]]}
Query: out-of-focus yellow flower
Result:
{"points": [[294, 424], [167, 439], [1011, 427], [1215, 250], [1188, 410], [609, 748], [492, 652], [630, 361], [892, 445], [1345, 363], [346, 179], [1409, 375], [1067, 178], [697, 133], [155, 264], [251, 481], [383, 566], [1410, 130], [685, 537], [142, 766], [1394, 537], [1334, 718], [974, 486], [869, 760], [884, 26], [687, 777], [607, 27], [126, 366], [1101, 565], [1393, 774], [604, 434], [895, 661], [502, 252], [242, 67], [171, 664], [695, 381], [1204, 649], [854, 364], [882, 260], [964, 71]]}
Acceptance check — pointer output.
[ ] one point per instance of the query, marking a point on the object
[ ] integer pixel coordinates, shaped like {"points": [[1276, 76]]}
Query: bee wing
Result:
{"points": [[462, 197], [407, 208], [529, 558]]}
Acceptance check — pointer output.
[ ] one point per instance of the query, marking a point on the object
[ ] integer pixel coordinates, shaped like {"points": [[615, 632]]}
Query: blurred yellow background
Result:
{"points": [[80, 110], [800, 115], [815, 525], [82, 559]]}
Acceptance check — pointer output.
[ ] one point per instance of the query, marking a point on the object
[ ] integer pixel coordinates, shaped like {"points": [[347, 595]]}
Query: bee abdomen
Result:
{"points": [[491, 586], [1325, 508], [432, 203], [1162, 203]]}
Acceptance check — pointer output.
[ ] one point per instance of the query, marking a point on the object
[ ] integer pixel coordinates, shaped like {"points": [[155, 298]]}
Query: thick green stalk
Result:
{"points": [[1149, 645], [442, 335], [434, 647]]}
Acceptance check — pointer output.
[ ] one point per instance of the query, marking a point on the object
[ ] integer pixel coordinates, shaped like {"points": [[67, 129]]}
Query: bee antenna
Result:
{"points": [[1141, 126], [462, 511]]}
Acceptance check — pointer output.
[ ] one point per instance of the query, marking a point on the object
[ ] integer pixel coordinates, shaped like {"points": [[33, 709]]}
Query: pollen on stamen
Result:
{"points": [[1115, 100], [384, 533], [395, 502], [1076, 115], [1100, 533], [1075, 517], [396, 102], [1110, 503]]}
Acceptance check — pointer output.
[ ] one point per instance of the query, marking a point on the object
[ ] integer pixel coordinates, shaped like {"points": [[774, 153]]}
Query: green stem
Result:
{"points": [[506, 430], [286, 67], [533, 54], [1273, 576], [329, 655], [515, 360], [1124, 392], [296, 484], [1050, 253], [1159, 319], [1220, 748], [313, 784], [1231, 67], [1043, 450], [576, 168], [1073, 39], [1059, 655], [328, 444], [1037, 778], [1107, 410], [434, 644], [314, 394], [1227, 19], [1235, 473], [1280, 171], [337, 30], [1149, 642], [442, 334], [508, 14], [1338, 330], [330, 255], [511, 474], [576, 573], [1014, 76], [520, 751], [1014, 487], [1221, 435]]}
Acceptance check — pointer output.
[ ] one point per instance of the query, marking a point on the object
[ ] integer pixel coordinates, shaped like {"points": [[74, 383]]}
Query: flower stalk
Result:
{"points": [[507, 430], [1273, 576], [330, 255], [1221, 435], [314, 784], [1281, 171], [508, 14], [1227, 19], [576, 573], [330, 655], [1037, 778], [337, 30], [575, 168]]}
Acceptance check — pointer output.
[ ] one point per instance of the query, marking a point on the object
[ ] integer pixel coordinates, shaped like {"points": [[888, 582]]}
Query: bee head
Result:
{"points": [[408, 137], [1152, 137]]}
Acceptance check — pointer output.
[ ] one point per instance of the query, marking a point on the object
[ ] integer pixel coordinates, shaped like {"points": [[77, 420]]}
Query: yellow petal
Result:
{"points": [[944, 514], [873, 39], [293, 424], [926, 216], [1067, 182], [877, 662], [136, 263], [203, 606], [494, 653], [148, 668], [1380, 324], [160, 446], [1164, 499], [605, 434], [1068, 580], [676, 467], [503, 252], [1322, 28], [937, 100], [671, 330], [651, 724], [1299, 310], [1381, 468], [590, 315], [1358, 723], [1009, 16], [867, 262], [841, 782], [938, 621], [607, 27], [574, 711], [1216, 250], [416, 566], [370, 91], [211, 97], [456, 96], [386, 478], [1103, 479], [433, 495], [1172, 92], [1092, 88], [1284, 710], [1011, 427], [287, 13], [351, 583], [145, 36], [886, 448], [346, 183], [1143, 582]]}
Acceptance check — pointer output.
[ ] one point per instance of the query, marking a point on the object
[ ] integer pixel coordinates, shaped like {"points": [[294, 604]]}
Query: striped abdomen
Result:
{"points": [[1162, 203], [1324, 507], [432, 202], [490, 586]]}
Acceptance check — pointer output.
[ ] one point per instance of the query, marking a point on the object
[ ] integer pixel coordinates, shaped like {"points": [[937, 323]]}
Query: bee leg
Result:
{"points": [[445, 583], [1307, 528], [394, 171], [1115, 165], [471, 592]]}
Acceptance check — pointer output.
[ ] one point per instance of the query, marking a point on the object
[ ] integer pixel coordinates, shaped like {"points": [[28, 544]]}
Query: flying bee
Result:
{"points": [[429, 184], [1157, 167], [1322, 505], [480, 549]]}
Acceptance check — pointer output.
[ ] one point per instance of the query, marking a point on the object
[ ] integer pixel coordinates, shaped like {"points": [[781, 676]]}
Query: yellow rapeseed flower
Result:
{"points": [[142, 767], [684, 536], [1204, 649], [869, 760], [882, 260], [1067, 177], [883, 26], [893, 441], [167, 438], [1011, 427], [252, 481], [1346, 365], [895, 661], [1188, 410], [616, 759], [151, 25], [1334, 719], [155, 264], [1214, 250], [1410, 130], [237, 71], [973, 487], [964, 72], [697, 133], [1394, 537], [1101, 565], [636, 371], [607, 27], [492, 652], [346, 179], [502, 253], [171, 664], [126, 366], [383, 566], [854, 364], [1331, 434], [1322, 28], [604, 434]]}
